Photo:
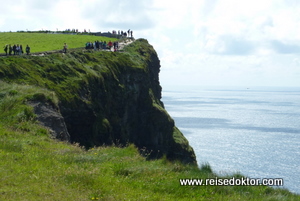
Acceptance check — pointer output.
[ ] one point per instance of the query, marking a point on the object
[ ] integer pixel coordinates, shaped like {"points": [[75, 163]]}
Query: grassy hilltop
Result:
{"points": [[40, 42], [33, 166]]}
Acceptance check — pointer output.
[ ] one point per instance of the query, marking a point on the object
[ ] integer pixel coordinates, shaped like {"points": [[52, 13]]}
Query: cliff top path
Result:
{"points": [[122, 43]]}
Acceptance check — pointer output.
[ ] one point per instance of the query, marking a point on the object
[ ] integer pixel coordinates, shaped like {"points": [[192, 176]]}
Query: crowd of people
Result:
{"points": [[129, 33], [102, 45], [16, 49], [97, 45]]}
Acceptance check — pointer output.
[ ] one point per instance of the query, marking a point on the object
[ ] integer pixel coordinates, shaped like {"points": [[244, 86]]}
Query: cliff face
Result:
{"points": [[107, 97]]}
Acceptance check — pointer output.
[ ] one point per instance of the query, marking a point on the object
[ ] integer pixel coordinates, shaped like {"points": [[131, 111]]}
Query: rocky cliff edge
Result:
{"points": [[104, 98]]}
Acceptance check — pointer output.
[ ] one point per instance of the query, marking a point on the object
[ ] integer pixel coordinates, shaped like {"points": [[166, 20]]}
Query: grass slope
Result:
{"points": [[36, 167], [40, 42]]}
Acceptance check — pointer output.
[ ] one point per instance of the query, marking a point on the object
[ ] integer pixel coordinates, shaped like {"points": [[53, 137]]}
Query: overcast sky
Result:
{"points": [[199, 42]]}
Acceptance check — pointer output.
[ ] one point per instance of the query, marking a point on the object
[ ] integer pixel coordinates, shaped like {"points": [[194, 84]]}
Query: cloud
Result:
{"points": [[285, 48], [32, 14], [37, 5], [83, 14], [230, 45], [209, 6], [119, 14]]}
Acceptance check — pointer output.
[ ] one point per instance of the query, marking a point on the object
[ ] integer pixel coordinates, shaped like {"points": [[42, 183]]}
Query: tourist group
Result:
{"points": [[15, 49], [102, 45]]}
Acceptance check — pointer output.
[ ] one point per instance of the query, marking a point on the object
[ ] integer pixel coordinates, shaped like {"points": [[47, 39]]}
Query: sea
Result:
{"points": [[253, 131]]}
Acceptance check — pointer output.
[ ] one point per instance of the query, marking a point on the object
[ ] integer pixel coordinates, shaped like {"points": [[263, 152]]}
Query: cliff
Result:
{"points": [[104, 98]]}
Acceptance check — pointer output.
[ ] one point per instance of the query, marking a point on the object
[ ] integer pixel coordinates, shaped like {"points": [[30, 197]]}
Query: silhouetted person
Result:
{"points": [[27, 50], [20, 50], [5, 49], [10, 49], [14, 49]]}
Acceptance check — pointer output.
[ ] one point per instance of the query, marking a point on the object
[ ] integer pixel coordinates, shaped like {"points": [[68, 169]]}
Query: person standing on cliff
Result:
{"points": [[14, 49], [110, 44], [115, 46], [10, 49], [27, 50], [65, 48], [20, 50], [16, 52], [5, 49]]}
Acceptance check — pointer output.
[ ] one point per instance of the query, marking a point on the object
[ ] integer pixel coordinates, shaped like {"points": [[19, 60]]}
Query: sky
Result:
{"points": [[199, 42]]}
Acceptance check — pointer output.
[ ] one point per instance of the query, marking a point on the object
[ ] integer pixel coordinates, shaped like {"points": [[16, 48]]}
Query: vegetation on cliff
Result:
{"points": [[35, 167], [106, 98]]}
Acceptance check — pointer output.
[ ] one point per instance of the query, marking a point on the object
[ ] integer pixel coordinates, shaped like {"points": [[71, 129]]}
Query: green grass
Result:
{"points": [[40, 42], [35, 167]]}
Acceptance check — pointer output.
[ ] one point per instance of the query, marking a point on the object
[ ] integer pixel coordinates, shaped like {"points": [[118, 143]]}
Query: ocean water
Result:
{"points": [[253, 131]]}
